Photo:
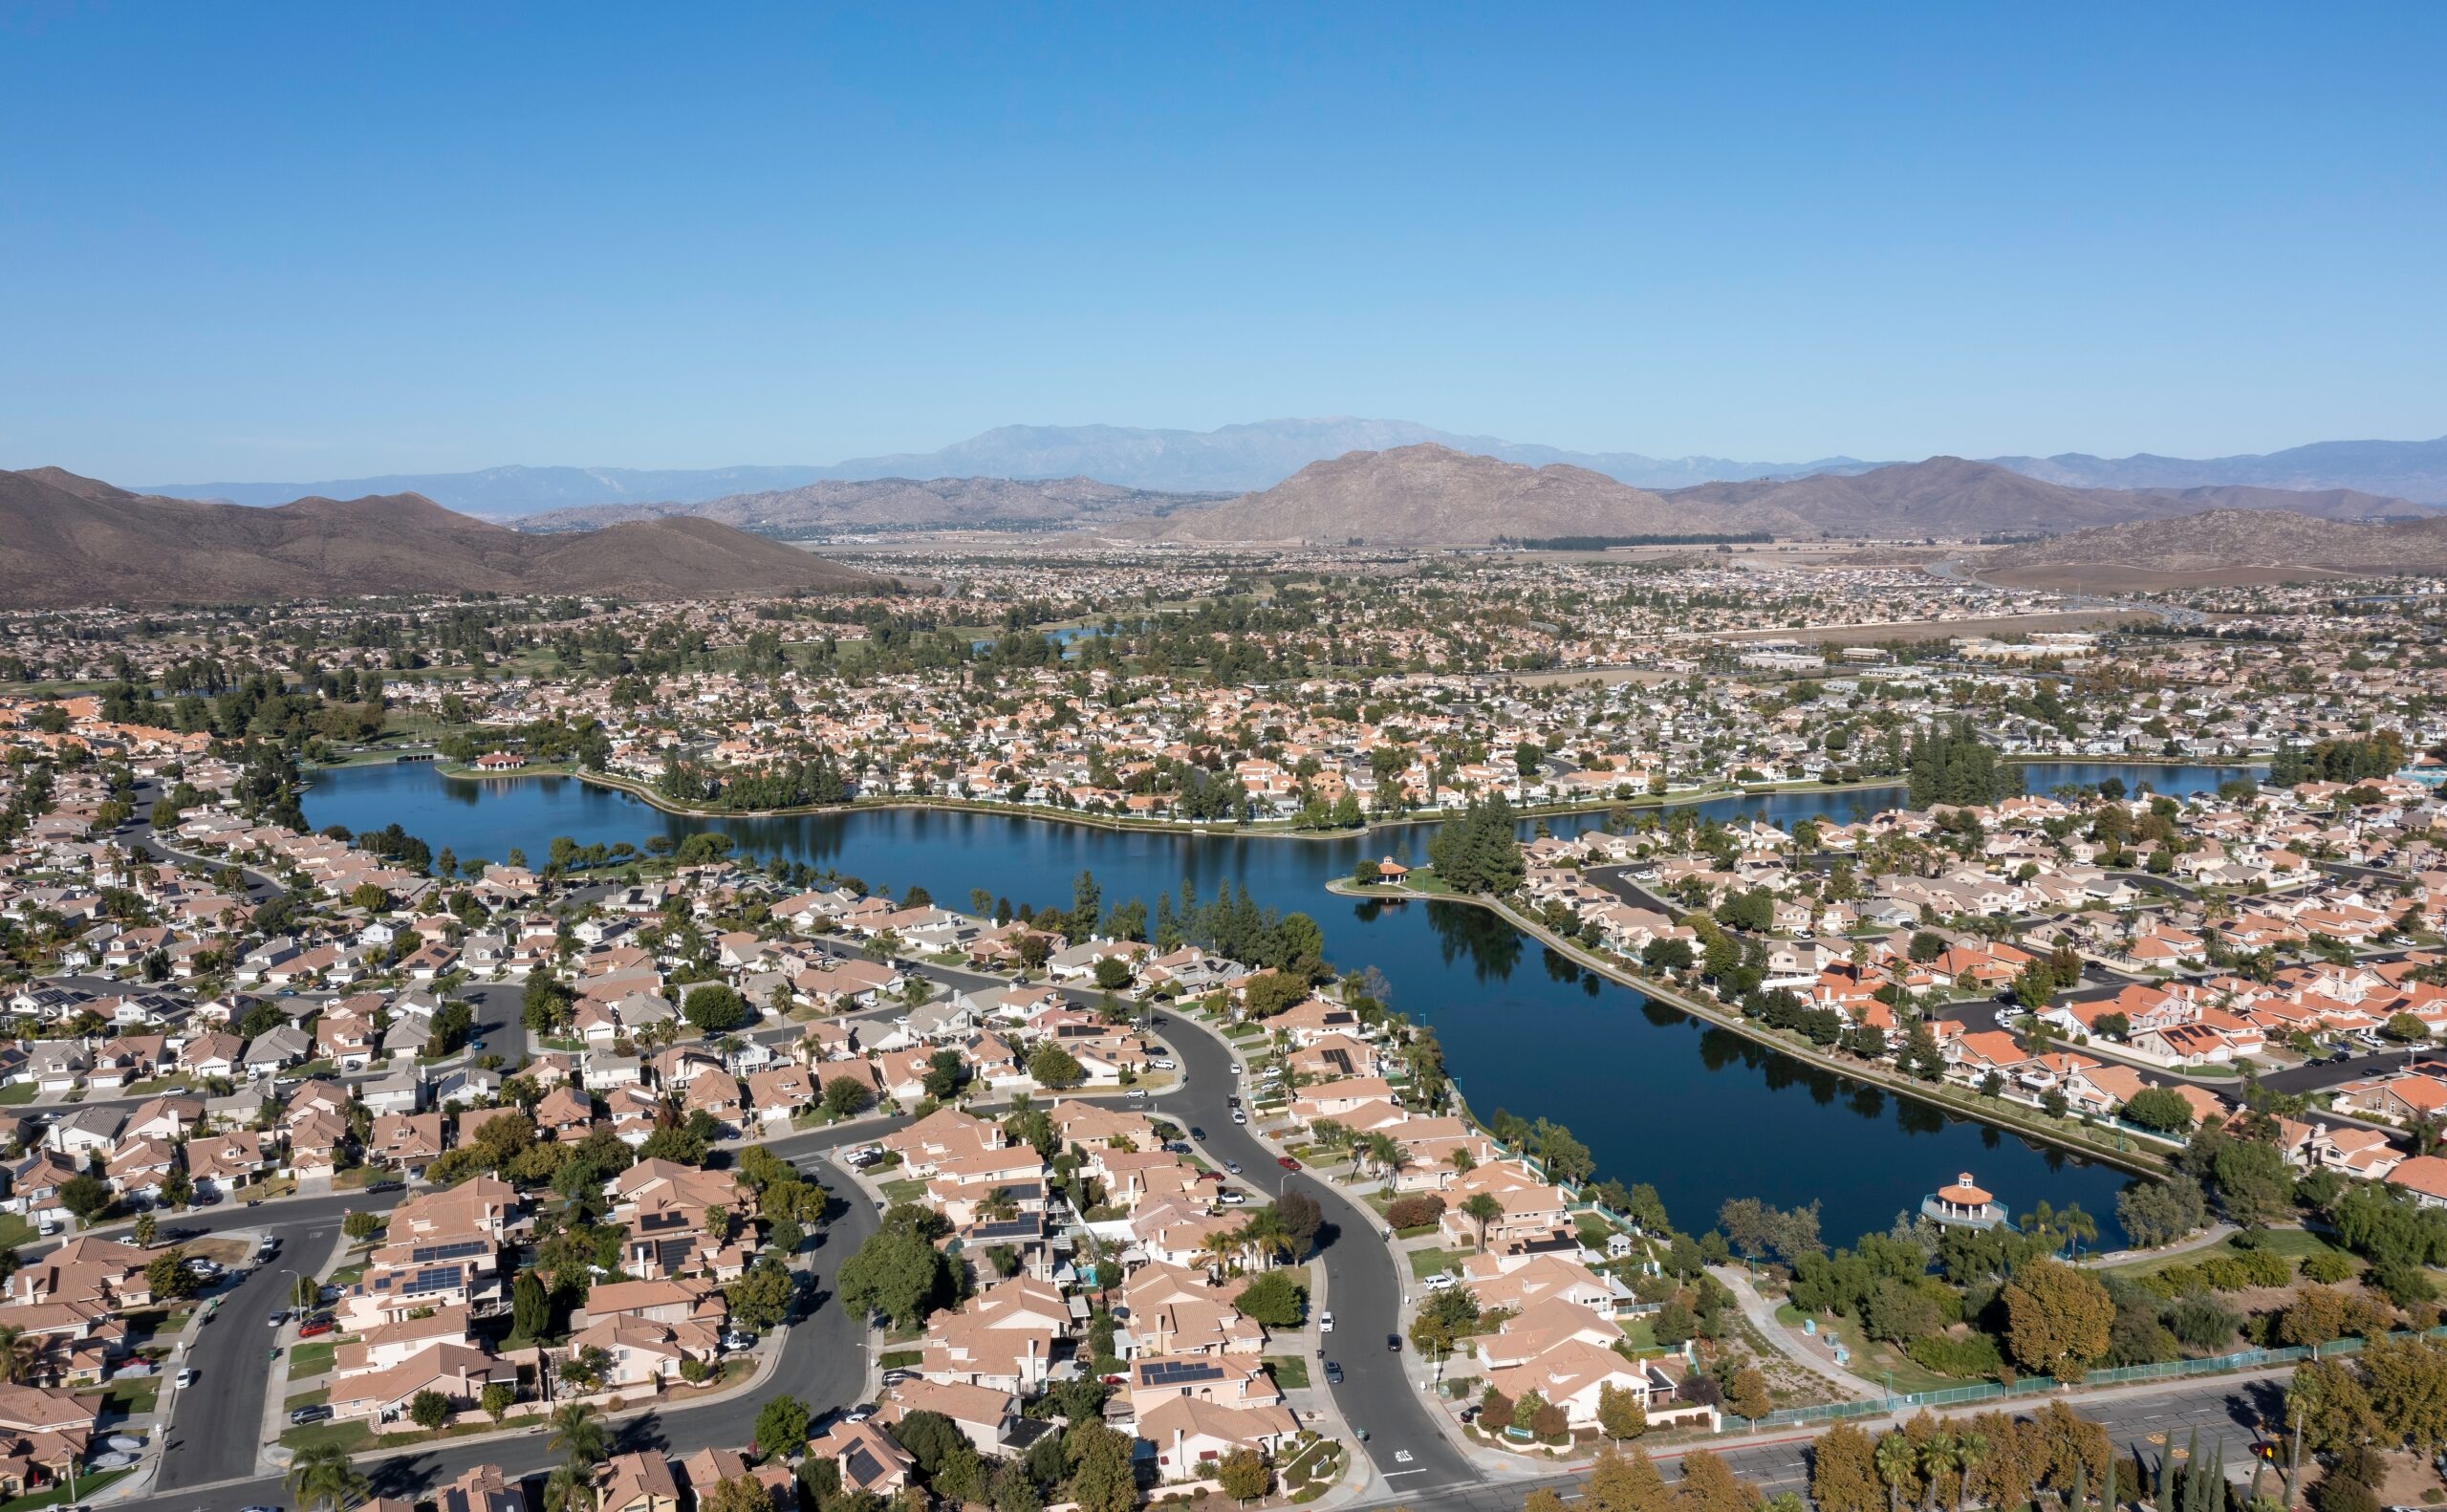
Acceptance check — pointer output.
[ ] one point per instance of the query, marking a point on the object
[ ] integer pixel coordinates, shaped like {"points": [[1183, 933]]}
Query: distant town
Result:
{"points": [[354, 1165]]}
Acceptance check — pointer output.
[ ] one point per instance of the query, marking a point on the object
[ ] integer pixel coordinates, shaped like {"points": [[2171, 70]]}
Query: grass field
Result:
{"points": [[1869, 1358], [1426, 1263], [2294, 1243], [313, 1357], [1291, 1372]]}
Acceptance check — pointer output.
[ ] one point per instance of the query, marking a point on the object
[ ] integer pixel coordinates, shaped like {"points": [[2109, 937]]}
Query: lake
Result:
{"points": [[1700, 1112]]}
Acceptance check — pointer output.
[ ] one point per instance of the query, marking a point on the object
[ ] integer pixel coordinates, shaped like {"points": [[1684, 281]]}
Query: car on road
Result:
{"points": [[1138, 1094], [1164, 1065], [1393, 1343], [259, 1509], [277, 1317], [1239, 1118], [1196, 1133], [1231, 1102], [184, 1378], [1325, 1321], [1287, 1162], [378, 1186], [1333, 1373], [314, 1414], [1233, 1166]]}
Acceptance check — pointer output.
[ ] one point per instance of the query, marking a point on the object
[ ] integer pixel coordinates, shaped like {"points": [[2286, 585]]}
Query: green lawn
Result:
{"points": [[313, 1357], [1872, 1360], [86, 1486], [135, 1396], [1290, 1370], [909, 1189], [1640, 1337], [1426, 1263], [2294, 1243], [900, 1359], [352, 1436], [17, 1094], [15, 1230]]}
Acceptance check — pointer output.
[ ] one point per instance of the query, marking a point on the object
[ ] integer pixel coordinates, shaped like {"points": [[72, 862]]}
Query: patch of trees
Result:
{"points": [[1954, 766], [2344, 759], [1481, 851]]}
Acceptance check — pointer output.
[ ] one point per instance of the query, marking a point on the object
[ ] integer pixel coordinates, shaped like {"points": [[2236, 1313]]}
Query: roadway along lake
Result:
{"points": [[1702, 1113]]}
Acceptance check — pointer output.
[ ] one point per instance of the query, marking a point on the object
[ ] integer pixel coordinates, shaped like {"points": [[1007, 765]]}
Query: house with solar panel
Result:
{"points": [[868, 1458]]}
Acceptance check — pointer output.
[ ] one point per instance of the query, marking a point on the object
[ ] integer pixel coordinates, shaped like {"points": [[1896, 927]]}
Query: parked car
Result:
{"points": [[737, 1340], [1231, 1102], [1138, 1094], [1393, 1343], [279, 1316], [1441, 1280], [184, 1378], [1163, 1066], [1325, 1321], [1287, 1162], [314, 1413], [860, 1413], [316, 1329], [1239, 1118], [1233, 1166], [1333, 1373], [1232, 1198], [1196, 1133]]}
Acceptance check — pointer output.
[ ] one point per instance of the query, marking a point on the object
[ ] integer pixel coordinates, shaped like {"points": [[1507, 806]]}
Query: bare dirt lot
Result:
{"points": [[2097, 578]]}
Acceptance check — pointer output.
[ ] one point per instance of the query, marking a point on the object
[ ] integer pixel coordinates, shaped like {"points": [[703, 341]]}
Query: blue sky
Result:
{"points": [[314, 241]]}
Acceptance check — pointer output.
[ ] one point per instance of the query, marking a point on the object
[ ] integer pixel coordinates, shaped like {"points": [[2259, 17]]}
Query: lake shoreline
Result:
{"points": [[2135, 1162]]}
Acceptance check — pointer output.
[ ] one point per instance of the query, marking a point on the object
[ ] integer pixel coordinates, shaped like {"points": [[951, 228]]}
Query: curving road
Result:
{"points": [[1365, 1288]]}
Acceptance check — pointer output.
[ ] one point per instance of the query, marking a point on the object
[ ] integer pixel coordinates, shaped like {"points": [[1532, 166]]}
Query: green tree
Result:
{"points": [[715, 1008], [761, 1299], [428, 1409], [1275, 1300], [1101, 1478], [1052, 1066], [324, 1476], [844, 1095], [2159, 1108], [530, 1310], [580, 1436], [781, 1427], [1620, 1414], [1243, 1476], [898, 1274], [497, 1398]]}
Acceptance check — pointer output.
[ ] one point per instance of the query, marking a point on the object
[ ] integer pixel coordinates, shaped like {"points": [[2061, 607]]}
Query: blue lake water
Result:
{"points": [[1700, 1112]]}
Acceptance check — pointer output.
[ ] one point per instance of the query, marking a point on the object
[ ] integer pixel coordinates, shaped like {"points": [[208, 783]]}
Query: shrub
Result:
{"points": [[1973, 1355], [1415, 1210], [2328, 1267]]}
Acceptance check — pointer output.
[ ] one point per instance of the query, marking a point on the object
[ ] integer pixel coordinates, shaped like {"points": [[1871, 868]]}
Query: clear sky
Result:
{"points": [[291, 241]]}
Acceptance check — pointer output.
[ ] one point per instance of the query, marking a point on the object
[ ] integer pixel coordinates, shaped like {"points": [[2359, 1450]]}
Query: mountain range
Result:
{"points": [[971, 504], [1241, 459], [1431, 495], [68, 540]]}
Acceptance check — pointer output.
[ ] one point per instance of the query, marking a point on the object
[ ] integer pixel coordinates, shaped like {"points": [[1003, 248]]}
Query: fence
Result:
{"points": [[2117, 1376]]}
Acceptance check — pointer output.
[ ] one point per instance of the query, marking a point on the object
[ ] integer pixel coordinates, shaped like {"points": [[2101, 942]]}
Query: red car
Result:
{"points": [[1287, 1162], [1211, 1176], [312, 1329]]}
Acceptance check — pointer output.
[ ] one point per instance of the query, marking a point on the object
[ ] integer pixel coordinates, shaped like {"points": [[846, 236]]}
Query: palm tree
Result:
{"points": [[1485, 1209], [1264, 1231], [323, 1476], [16, 1354], [1940, 1454], [1970, 1451], [569, 1488], [1897, 1462], [578, 1434]]}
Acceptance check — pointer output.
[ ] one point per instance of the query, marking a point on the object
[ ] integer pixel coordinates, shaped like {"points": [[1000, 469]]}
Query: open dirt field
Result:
{"points": [[2107, 579]]}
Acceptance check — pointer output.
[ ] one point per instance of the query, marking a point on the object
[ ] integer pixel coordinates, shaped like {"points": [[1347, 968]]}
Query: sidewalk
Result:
{"points": [[1815, 1357]]}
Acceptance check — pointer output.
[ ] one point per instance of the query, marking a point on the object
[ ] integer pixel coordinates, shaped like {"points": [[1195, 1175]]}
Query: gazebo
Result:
{"points": [[1963, 1203]]}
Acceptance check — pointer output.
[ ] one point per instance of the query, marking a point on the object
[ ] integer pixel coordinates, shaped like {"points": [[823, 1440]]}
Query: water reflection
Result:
{"points": [[1561, 1042]]}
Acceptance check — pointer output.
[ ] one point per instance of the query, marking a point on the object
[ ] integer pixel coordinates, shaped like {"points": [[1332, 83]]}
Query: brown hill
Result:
{"points": [[987, 504], [71, 540], [2225, 546], [1430, 495], [1950, 496]]}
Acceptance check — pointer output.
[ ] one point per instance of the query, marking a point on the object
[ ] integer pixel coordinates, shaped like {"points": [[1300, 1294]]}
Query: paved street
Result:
{"points": [[1366, 1288]]}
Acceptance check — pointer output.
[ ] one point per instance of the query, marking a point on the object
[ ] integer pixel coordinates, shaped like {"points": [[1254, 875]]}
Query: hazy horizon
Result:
{"points": [[297, 243]]}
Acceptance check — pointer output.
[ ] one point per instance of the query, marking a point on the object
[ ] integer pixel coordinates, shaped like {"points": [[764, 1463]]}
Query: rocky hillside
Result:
{"points": [[2230, 542], [71, 540], [1431, 495]]}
